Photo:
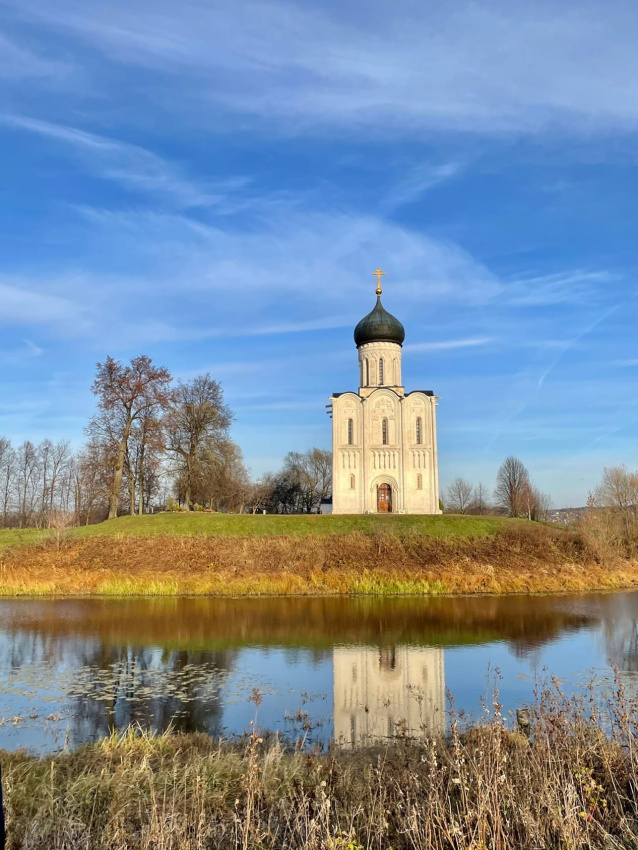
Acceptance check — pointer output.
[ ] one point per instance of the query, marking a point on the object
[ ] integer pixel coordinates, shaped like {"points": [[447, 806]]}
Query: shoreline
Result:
{"points": [[389, 593], [522, 594]]}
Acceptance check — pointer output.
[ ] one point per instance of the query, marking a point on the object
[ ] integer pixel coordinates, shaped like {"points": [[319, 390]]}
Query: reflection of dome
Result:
{"points": [[379, 326]]}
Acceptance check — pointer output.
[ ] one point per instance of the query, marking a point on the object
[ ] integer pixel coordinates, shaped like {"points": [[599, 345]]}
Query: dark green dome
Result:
{"points": [[379, 326]]}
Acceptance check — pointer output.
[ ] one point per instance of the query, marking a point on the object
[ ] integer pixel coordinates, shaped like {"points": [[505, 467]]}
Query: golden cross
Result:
{"points": [[378, 275]]}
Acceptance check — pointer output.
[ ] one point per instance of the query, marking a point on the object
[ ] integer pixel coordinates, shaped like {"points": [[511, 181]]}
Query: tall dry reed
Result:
{"points": [[572, 784]]}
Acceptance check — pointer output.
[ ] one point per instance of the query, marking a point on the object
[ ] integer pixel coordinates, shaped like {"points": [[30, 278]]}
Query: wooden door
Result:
{"points": [[384, 498]]}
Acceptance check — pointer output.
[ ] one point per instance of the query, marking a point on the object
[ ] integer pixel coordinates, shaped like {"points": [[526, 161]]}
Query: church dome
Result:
{"points": [[379, 326]]}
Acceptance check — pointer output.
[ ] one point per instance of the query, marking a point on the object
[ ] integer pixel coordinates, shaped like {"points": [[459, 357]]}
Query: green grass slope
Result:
{"points": [[242, 525]]}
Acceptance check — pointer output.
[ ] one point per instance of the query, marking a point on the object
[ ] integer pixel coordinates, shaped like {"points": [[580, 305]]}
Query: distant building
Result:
{"points": [[326, 506], [384, 453], [381, 692], [566, 516]]}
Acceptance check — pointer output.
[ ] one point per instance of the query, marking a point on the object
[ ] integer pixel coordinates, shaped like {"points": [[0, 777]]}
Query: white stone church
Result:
{"points": [[384, 456]]}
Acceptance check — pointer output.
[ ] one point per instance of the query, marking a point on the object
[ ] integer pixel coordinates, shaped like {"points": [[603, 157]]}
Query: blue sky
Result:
{"points": [[213, 184]]}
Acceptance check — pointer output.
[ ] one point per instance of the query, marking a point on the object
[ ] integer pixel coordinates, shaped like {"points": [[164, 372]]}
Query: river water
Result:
{"points": [[355, 670]]}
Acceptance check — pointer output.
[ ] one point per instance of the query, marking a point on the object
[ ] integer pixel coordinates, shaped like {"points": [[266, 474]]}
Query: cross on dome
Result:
{"points": [[378, 275]]}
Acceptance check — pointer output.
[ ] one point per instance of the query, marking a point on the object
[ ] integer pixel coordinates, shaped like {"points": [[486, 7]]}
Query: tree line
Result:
{"points": [[155, 443], [514, 494], [610, 522], [151, 443]]}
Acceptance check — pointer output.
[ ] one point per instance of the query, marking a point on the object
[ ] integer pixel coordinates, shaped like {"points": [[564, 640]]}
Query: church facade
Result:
{"points": [[384, 455]]}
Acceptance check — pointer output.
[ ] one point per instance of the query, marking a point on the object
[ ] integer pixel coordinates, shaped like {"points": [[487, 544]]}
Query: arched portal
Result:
{"points": [[384, 499]]}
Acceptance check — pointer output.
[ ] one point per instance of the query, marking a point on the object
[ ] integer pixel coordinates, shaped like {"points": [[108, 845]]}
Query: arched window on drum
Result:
{"points": [[381, 375]]}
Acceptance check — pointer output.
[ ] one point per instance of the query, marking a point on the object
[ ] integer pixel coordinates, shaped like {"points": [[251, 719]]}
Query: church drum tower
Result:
{"points": [[384, 457]]}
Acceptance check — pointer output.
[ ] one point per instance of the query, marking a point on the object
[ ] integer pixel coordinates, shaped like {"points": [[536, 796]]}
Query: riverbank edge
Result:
{"points": [[517, 560]]}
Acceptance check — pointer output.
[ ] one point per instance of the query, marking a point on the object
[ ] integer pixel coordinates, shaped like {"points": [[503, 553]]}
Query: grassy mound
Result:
{"points": [[394, 557], [197, 524]]}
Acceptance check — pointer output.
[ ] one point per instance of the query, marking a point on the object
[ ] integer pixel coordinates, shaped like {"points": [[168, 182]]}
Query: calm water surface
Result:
{"points": [[351, 670]]}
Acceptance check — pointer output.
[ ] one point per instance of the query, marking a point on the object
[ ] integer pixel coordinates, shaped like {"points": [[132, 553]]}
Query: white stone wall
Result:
{"points": [[347, 457], [362, 461], [376, 358]]}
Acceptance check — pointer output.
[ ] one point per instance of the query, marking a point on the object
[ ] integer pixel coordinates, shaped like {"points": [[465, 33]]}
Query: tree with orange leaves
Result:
{"points": [[126, 394]]}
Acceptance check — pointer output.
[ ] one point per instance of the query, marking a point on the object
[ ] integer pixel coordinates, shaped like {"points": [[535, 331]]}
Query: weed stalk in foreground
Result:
{"points": [[572, 784]]}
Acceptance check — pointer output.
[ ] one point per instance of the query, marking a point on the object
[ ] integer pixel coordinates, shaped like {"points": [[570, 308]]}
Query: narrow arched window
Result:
{"points": [[419, 482], [367, 372], [350, 432], [380, 370], [419, 431], [384, 432], [352, 482]]}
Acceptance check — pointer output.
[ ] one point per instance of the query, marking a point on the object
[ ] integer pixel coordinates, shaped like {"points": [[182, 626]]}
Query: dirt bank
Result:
{"points": [[520, 559]]}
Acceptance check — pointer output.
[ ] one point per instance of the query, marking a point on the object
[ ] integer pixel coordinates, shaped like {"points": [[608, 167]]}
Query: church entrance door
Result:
{"points": [[384, 499]]}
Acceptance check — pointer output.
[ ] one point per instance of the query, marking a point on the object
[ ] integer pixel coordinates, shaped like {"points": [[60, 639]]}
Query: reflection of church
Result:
{"points": [[381, 692], [384, 456]]}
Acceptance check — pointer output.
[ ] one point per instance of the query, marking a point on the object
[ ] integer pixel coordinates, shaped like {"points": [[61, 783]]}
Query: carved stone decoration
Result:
{"points": [[348, 458]]}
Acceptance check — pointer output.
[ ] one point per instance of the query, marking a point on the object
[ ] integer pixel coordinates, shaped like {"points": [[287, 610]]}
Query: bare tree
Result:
{"points": [[93, 474], [59, 478], [34, 480], [226, 484], [196, 425], [512, 485], [537, 504], [7, 475], [260, 493], [309, 476], [126, 394], [459, 496], [618, 489], [27, 480], [616, 502], [55, 459], [480, 499]]}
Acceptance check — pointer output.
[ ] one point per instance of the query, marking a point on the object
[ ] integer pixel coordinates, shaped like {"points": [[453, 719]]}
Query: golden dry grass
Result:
{"points": [[520, 558], [572, 785]]}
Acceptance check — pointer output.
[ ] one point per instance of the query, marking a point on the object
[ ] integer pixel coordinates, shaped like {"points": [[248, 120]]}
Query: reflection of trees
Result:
{"points": [[525, 622], [142, 686], [116, 686]]}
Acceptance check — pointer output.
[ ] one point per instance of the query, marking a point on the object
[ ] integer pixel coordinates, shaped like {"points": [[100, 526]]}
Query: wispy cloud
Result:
{"points": [[448, 344], [266, 280], [18, 63], [22, 306], [560, 287], [131, 165], [33, 349], [480, 68], [25, 353], [417, 182], [303, 263]]}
